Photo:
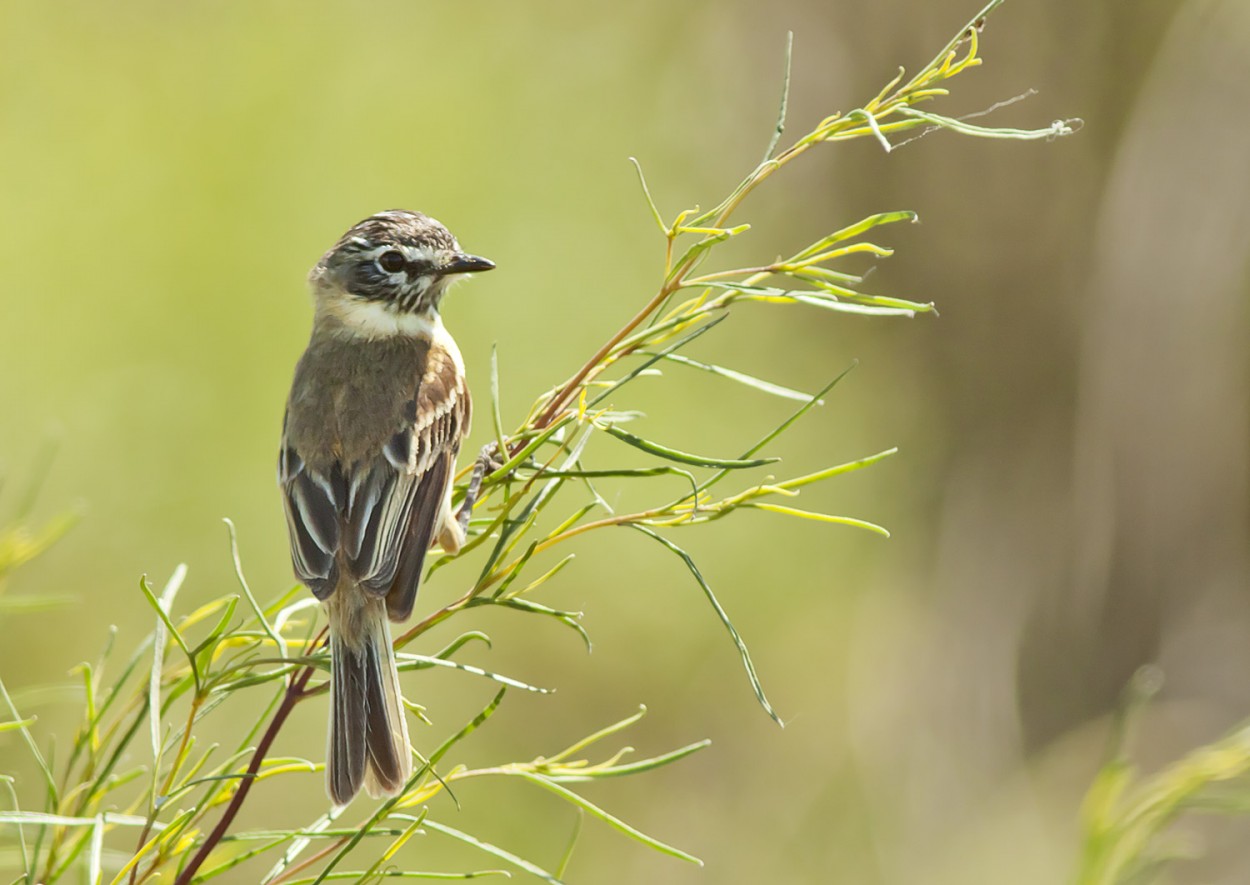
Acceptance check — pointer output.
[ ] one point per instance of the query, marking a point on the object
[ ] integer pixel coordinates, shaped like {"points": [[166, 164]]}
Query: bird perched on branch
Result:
{"points": [[374, 422]]}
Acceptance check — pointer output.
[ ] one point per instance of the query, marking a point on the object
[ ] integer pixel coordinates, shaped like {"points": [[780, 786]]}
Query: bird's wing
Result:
{"points": [[312, 517], [375, 518]]}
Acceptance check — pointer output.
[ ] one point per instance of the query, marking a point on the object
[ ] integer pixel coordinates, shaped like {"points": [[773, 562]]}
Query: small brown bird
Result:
{"points": [[374, 423]]}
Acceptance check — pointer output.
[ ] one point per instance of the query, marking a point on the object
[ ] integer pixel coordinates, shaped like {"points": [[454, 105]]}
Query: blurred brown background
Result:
{"points": [[1070, 501]]}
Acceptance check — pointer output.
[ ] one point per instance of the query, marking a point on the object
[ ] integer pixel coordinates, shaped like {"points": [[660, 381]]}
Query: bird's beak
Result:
{"points": [[461, 263]]}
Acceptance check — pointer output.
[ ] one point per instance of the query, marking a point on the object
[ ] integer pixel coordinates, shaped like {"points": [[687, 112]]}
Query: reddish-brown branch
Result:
{"points": [[565, 393]]}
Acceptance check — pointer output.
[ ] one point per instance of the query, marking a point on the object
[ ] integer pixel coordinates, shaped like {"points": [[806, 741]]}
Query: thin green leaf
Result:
{"points": [[825, 297], [365, 875], [287, 835], [95, 859], [852, 231], [697, 251], [741, 378], [599, 735], [671, 348], [854, 307], [494, 850], [781, 428], [49, 781], [163, 623], [1057, 129], [236, 859], [785, 425], [516, 569], [76, 840], [821, 517], [567, 857], [974, 24], [227, 604], [297, 847], [546, 576], [119, 748], [205, 650], [573, 518], [743, 653], [873, 126], [813, 299], [460, 641], [785, 100], [671, 454], [284, 600], [384, 858], [366, 827], [29, 876], [513, 529], [615, 822], [569, 619], [496, 415], [633, 767], [606, 731], [849, 466], [406, 662], [663, 330], [619, 472], [646, 192], [278, 644], [532, 510], [595, 497], [95, 712], [717, 210], [820, 277], [525, 451], [468, 729]]}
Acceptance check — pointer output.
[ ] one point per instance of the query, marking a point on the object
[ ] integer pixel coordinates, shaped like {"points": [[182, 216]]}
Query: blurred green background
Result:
{"points": [[1070, 501]]}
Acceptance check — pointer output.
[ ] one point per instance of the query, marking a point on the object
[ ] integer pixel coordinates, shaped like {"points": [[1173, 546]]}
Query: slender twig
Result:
{"points": [[561, 398], [309, 861], [173, 770]]}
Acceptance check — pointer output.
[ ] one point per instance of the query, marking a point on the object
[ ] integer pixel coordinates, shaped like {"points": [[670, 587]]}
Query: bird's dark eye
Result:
{"points": [[391, 262]]}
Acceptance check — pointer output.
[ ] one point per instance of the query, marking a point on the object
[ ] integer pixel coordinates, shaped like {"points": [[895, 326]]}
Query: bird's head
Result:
{"points": [[395, 262]]}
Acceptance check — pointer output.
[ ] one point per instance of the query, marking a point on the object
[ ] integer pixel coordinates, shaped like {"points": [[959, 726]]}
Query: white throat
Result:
{"points": [[371, 320], [376, 319]]}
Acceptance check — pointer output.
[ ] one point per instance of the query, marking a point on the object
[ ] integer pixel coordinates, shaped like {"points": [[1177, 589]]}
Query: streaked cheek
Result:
{"points": [[367, 281]]}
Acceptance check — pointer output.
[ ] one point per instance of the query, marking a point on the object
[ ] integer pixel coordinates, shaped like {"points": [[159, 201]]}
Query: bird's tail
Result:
{"points": [[368, 742]]}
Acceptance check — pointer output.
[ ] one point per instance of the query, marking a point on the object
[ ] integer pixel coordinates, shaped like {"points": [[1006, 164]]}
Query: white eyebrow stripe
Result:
{"points": [[411, 253]]}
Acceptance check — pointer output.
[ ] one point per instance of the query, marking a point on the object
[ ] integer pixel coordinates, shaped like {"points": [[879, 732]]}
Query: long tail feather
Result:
{"points": [[386, 728], [368, 743]]}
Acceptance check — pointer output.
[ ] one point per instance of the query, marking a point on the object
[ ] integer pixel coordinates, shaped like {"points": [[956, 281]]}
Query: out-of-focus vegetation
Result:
{"points": [[1129, 821], [1070, 501]]}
